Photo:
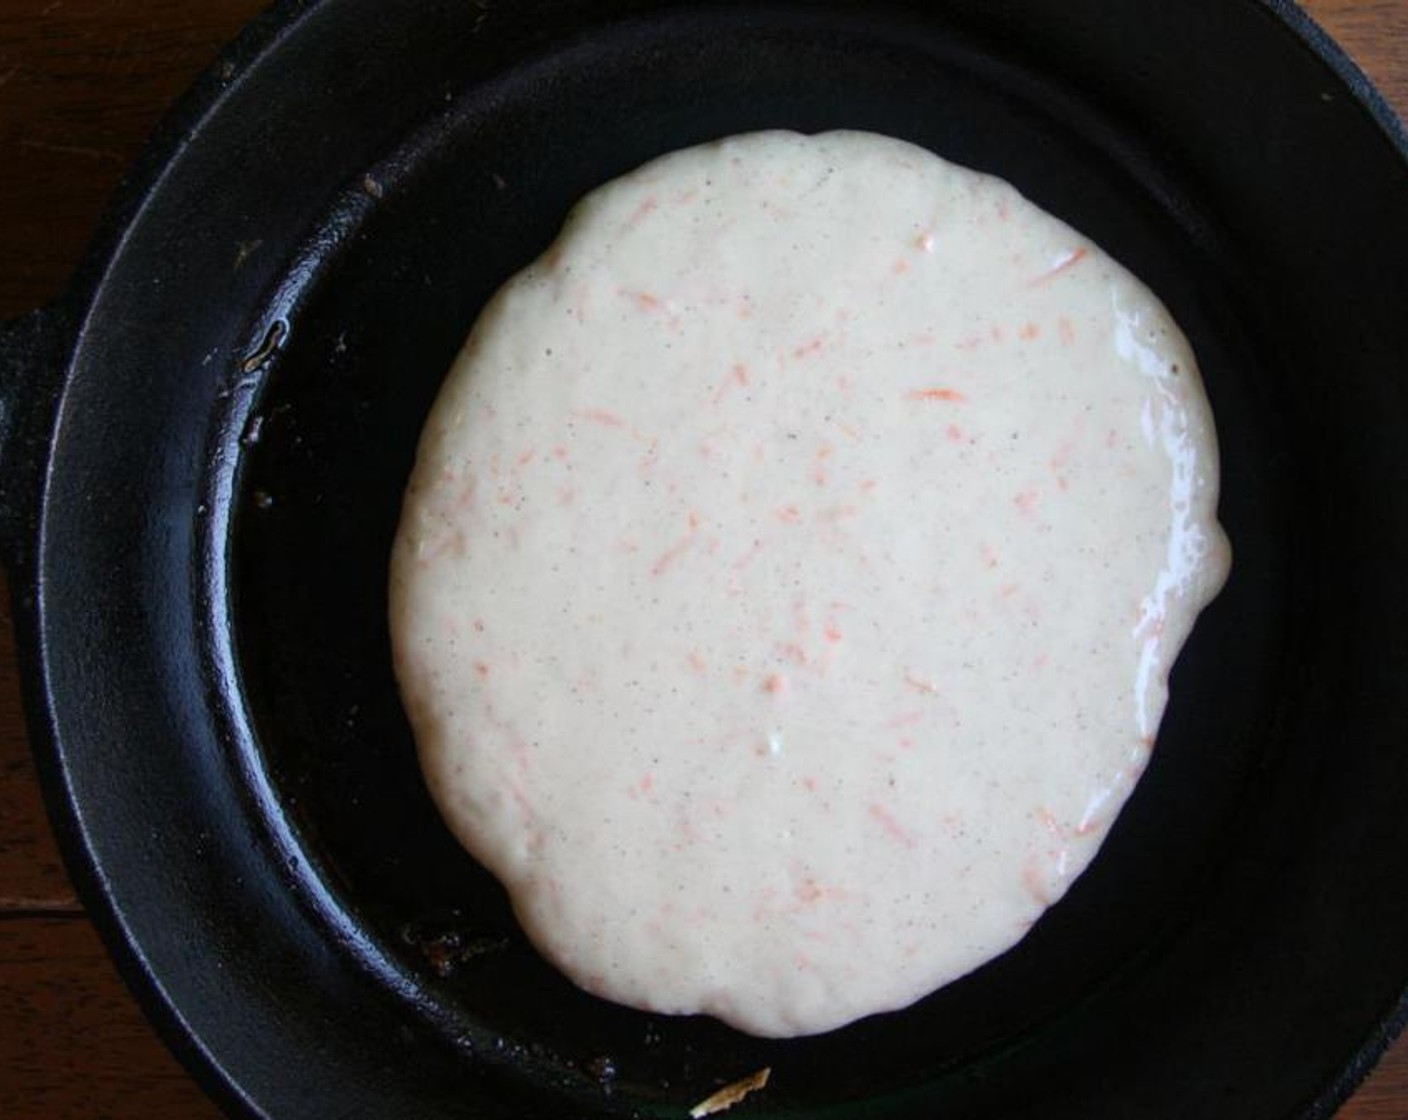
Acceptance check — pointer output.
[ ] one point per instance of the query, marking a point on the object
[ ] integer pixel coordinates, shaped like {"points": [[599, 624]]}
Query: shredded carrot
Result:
{"points": [[935, 395], [738, 375], [793, 652], [1074, 257], [670, 555], [748, 557], [891, 826], [601, 416], [808, 891], [920, 685], [649, 206]]}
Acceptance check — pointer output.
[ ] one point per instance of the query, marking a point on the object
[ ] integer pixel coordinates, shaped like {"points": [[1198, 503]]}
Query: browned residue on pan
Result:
{"points": [[273, 339]]}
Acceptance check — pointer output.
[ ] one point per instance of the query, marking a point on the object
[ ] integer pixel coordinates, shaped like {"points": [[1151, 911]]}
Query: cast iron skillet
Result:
{"points": [[203, 451]]}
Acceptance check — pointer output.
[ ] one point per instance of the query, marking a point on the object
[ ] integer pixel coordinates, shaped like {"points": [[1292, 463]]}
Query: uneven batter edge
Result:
{"points": [[788, 582]]}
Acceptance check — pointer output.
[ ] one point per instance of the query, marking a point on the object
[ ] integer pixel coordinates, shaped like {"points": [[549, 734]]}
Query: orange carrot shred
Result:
{"points": [[601, 416], [935, 395], [1074, 257], [892, 827]]}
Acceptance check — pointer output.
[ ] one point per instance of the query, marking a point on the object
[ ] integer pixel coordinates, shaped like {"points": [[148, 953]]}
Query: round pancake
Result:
{"points": [[790, 575]]}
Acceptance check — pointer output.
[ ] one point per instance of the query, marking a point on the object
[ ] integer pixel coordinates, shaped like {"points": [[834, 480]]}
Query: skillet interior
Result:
{"points": [[1234, 942], [337, 427]]}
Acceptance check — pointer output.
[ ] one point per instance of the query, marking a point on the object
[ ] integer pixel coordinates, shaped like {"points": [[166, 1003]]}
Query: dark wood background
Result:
{"points": [[82, 82]]}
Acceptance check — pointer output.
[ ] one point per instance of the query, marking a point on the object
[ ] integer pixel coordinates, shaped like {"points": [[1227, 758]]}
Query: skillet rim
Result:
{"points": [[58, 333]]}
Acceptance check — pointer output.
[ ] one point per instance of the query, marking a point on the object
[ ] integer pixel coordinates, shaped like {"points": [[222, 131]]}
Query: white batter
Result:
{"points": [[789, 579]]}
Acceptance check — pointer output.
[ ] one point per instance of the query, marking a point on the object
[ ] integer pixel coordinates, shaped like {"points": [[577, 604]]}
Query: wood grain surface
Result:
{"points": [[82, 83]]}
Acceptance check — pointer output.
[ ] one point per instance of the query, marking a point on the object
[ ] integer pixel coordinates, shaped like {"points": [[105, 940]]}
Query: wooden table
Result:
{"points": [[82, 82]]}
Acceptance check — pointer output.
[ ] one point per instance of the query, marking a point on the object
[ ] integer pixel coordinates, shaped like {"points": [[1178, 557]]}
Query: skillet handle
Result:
{"points": [[31, 367]]}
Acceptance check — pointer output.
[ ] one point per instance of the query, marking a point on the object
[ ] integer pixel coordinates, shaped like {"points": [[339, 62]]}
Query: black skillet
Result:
{"points": [[203, 450]]}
